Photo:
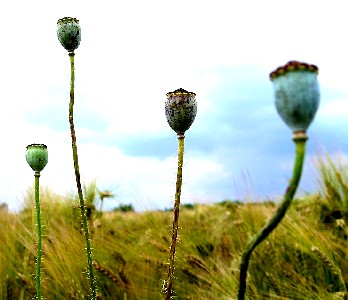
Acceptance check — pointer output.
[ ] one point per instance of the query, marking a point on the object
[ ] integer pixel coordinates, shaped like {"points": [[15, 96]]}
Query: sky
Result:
{"points": [[134, 52]]}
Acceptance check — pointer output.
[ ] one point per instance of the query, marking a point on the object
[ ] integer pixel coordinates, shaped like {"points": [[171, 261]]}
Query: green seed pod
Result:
{"points": [[181, 110], [37, 156], [297, 93], [69, 33]]}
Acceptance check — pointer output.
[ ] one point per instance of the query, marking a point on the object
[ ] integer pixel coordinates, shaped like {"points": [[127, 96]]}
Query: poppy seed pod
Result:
{"points": [[180, 110], [297, 93], [69, 33], [37, 156]]}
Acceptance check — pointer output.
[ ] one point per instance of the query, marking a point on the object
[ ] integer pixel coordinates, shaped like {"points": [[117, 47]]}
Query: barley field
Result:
{"points": [[304, 258]]}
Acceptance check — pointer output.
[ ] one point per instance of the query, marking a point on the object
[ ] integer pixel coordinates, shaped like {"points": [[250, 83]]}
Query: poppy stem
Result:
{"points": [[175, 228], [90, 272], [39, 236], [300, 139]]}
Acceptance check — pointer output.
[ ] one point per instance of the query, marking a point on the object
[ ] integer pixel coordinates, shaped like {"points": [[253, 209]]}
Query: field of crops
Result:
{"points": [[304, 258]]}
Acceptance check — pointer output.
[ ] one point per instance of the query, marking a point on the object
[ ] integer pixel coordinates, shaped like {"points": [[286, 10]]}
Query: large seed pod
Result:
{"points": [[297, 93], [37, 156], [180, 110], [69, 33]]}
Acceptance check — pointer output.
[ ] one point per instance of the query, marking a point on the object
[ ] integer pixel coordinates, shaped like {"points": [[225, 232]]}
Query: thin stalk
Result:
{"points": [[78, 180], [101, 205], [300, 142], [175, 228], [39, 236]]}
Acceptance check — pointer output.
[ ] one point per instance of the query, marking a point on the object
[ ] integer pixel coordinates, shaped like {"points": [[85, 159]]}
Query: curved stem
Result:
{"points": [[78, 180], [39, 236], [300, 141], [175, 228]]}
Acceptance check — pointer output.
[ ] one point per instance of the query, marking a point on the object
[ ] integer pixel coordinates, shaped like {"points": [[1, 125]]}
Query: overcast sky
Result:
{"points": [[131, 54]]}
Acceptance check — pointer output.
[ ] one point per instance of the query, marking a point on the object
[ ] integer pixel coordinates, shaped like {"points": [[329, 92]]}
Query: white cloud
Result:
{"points": [[131, 55]]}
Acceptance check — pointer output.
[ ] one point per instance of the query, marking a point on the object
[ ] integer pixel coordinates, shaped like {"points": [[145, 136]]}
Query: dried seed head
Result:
{"points": [[37, 156], [297, 93], [180, 110], [69, 33]]}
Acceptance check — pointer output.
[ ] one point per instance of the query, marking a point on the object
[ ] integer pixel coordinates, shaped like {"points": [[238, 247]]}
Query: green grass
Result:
{"points": [[304, 258]]}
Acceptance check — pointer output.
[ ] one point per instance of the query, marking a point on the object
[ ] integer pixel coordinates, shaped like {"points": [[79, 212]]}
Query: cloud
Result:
{"points": [[131, 55]]}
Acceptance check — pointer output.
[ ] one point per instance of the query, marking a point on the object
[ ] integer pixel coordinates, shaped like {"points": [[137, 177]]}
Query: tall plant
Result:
{"points": [[69, 35], [297, 100], [37, 158], [180, 110]]}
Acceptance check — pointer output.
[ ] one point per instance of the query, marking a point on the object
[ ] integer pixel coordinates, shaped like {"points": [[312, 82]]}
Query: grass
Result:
{"points": [[304, 258]]}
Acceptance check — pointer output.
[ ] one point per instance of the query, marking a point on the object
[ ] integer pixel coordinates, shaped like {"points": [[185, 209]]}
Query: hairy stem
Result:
{"points": [[175, 228], [39, 236], [78, 180], [300, 142]]}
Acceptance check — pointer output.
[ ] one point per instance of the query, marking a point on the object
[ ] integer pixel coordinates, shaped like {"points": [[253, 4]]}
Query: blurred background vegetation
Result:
{"points": [[304, 258]]}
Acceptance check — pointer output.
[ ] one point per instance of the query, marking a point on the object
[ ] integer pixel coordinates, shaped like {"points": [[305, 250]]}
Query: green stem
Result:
{"points": [[78, 180], [39, 236], [175, 228], [300, 141]]}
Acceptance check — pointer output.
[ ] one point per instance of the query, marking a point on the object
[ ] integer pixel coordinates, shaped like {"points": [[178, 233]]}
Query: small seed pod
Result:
{"points": [[181, 110], [297, 93], [37, 156], [69, 33]]}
